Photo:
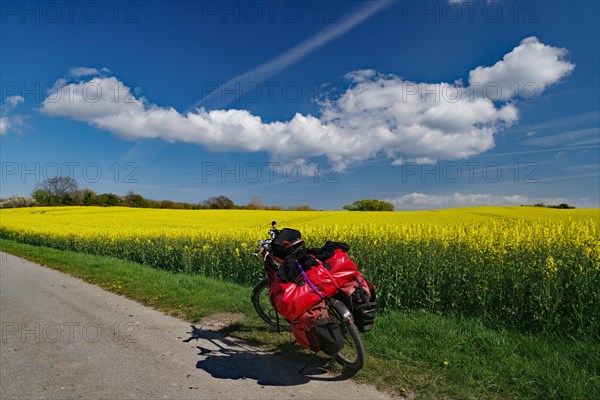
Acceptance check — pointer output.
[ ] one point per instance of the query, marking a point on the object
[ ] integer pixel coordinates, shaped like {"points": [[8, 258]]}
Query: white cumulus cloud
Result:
{"points": [[13, 101], [4, 125], [377, 116], [78, 72], [527, 70], [428, 201], [7, 121]]}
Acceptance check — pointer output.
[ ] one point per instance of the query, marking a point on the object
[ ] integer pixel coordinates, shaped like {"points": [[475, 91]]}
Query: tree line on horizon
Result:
{"points": [[64, 191]]}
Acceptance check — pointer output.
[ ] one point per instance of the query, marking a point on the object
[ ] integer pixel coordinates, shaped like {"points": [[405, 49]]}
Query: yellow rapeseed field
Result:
{"points": [[523, 267]]}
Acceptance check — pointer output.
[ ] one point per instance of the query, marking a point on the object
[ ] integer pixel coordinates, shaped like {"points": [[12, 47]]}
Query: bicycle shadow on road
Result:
{"points": [[226, 358]]}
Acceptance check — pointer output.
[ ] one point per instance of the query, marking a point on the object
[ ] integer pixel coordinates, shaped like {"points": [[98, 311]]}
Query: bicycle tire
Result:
{"points": [[352, 355]]}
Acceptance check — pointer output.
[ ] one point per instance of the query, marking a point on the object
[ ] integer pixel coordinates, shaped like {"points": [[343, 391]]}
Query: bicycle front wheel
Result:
{"points": [[262, 304]]}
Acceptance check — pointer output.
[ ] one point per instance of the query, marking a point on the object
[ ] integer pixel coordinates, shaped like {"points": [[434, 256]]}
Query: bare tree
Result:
{"points": [[57, 190], [59, 186], [256, 203]]}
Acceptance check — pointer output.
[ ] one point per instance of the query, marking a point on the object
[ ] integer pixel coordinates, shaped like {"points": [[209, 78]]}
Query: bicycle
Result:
{"points": [[352, 355]]}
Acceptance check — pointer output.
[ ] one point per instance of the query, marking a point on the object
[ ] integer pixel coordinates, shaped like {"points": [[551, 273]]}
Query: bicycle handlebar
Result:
{"points": [[262, 244]]}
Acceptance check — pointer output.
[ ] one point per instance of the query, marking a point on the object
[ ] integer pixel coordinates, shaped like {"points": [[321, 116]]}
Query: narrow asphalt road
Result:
{"points": [[63, 338]]}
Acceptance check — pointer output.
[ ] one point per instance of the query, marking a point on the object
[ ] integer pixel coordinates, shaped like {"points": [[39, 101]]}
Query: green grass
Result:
{"points": [[406, 351], [482, 362]]}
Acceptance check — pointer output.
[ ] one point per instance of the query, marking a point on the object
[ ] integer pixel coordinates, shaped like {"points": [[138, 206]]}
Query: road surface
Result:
{"points": [[63, 338]]}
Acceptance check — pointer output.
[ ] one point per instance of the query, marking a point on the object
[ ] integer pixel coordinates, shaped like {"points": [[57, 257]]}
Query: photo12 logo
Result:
{"points": [[89, 92], [67, 332], [253, 172], [71, 12], [252, 92], [90, 172], [469, 11], [270, 12], [469, 171]]}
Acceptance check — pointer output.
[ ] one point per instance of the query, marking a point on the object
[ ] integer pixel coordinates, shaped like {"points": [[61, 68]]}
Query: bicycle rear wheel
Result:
{"points": [[352, 355]]}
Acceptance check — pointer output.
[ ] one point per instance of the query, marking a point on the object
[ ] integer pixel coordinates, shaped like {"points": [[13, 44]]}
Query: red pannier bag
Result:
{"points": [[301, 325], [292, 300], [359, 292], [317, 331], [343, 268], [361, 301]]}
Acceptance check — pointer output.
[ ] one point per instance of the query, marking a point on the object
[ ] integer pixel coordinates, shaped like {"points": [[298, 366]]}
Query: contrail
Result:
{"points": [[298, 52]]}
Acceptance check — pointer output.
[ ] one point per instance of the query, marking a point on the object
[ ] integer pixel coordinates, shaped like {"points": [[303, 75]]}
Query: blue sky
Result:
{"points": [[425, 104]]}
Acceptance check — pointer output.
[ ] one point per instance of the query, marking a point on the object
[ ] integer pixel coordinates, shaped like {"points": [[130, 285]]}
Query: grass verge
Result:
{"points": [[415, 354]]}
